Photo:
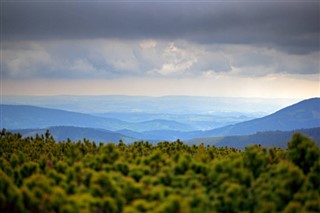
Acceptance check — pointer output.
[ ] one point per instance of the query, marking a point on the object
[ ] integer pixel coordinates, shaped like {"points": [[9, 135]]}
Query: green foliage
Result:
{"points": [[40, 175], [10, 199], [277, 187], [303, 152], [255, 159]]}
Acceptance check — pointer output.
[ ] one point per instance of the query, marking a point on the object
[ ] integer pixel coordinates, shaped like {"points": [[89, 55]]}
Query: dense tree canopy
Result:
{"points": [[42, 175]]}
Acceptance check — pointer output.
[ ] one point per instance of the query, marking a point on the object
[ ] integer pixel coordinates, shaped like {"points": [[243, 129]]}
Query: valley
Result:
{"points": [[224, 129]]}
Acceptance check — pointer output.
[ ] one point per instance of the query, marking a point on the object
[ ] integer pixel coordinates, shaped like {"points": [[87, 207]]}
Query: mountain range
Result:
{"points": [[265, 139], [305, 114], [30, 120], [63, 133], [151, 105], [30, 117], [26, 116]]}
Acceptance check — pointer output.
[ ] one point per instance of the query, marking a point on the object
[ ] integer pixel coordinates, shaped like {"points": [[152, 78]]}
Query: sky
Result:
{"points": [[267, 49]]}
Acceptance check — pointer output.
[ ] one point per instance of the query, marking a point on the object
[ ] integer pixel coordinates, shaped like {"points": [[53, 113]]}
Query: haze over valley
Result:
{"points": [[130, 127]]}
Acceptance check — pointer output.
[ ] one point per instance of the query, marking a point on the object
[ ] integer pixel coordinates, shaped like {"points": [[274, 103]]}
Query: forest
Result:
{"points": [[39, 174]]}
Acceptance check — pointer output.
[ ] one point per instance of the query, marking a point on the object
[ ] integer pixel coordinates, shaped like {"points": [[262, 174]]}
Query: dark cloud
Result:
{"points": [[290, 26], [114, 58]]}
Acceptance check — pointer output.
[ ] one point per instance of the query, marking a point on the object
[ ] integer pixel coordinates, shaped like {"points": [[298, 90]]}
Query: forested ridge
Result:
{"points": [[42, 175]]}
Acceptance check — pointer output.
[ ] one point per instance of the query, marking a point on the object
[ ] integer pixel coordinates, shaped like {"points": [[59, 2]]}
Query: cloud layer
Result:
{"points": [[113, 58], [217, 42], [290, 26]]}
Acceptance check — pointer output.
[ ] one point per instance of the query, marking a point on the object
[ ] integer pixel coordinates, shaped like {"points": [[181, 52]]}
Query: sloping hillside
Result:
{"points": [[265, 139], [29, 117], [62, 133], [305, 114]]}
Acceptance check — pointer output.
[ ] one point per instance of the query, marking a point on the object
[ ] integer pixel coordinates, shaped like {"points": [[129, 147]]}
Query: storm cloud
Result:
{"points": [[290, 26], [114, 58], [218, 42]]}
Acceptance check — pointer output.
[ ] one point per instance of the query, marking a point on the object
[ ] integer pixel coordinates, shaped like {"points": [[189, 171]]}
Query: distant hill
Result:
{"points": [[166, 104], [302, 115], [265, 139], [305, 114], [160, 135], [161, 124], [62, 133], [184, 122], [30, 117]]}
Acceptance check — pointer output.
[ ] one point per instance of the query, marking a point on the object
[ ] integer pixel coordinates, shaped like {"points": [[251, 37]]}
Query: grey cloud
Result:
{"points": [[114, 58], [290, 26]]}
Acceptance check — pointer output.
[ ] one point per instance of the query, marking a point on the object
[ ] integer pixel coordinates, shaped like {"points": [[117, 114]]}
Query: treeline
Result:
{"points": [[41, 175]]}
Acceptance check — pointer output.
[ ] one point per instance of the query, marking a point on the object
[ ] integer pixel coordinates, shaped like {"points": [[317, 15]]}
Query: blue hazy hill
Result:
{"points": [[304, 114], [154, 105], [26, 117], [62, 133], [29, 117], [265, 139]]}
